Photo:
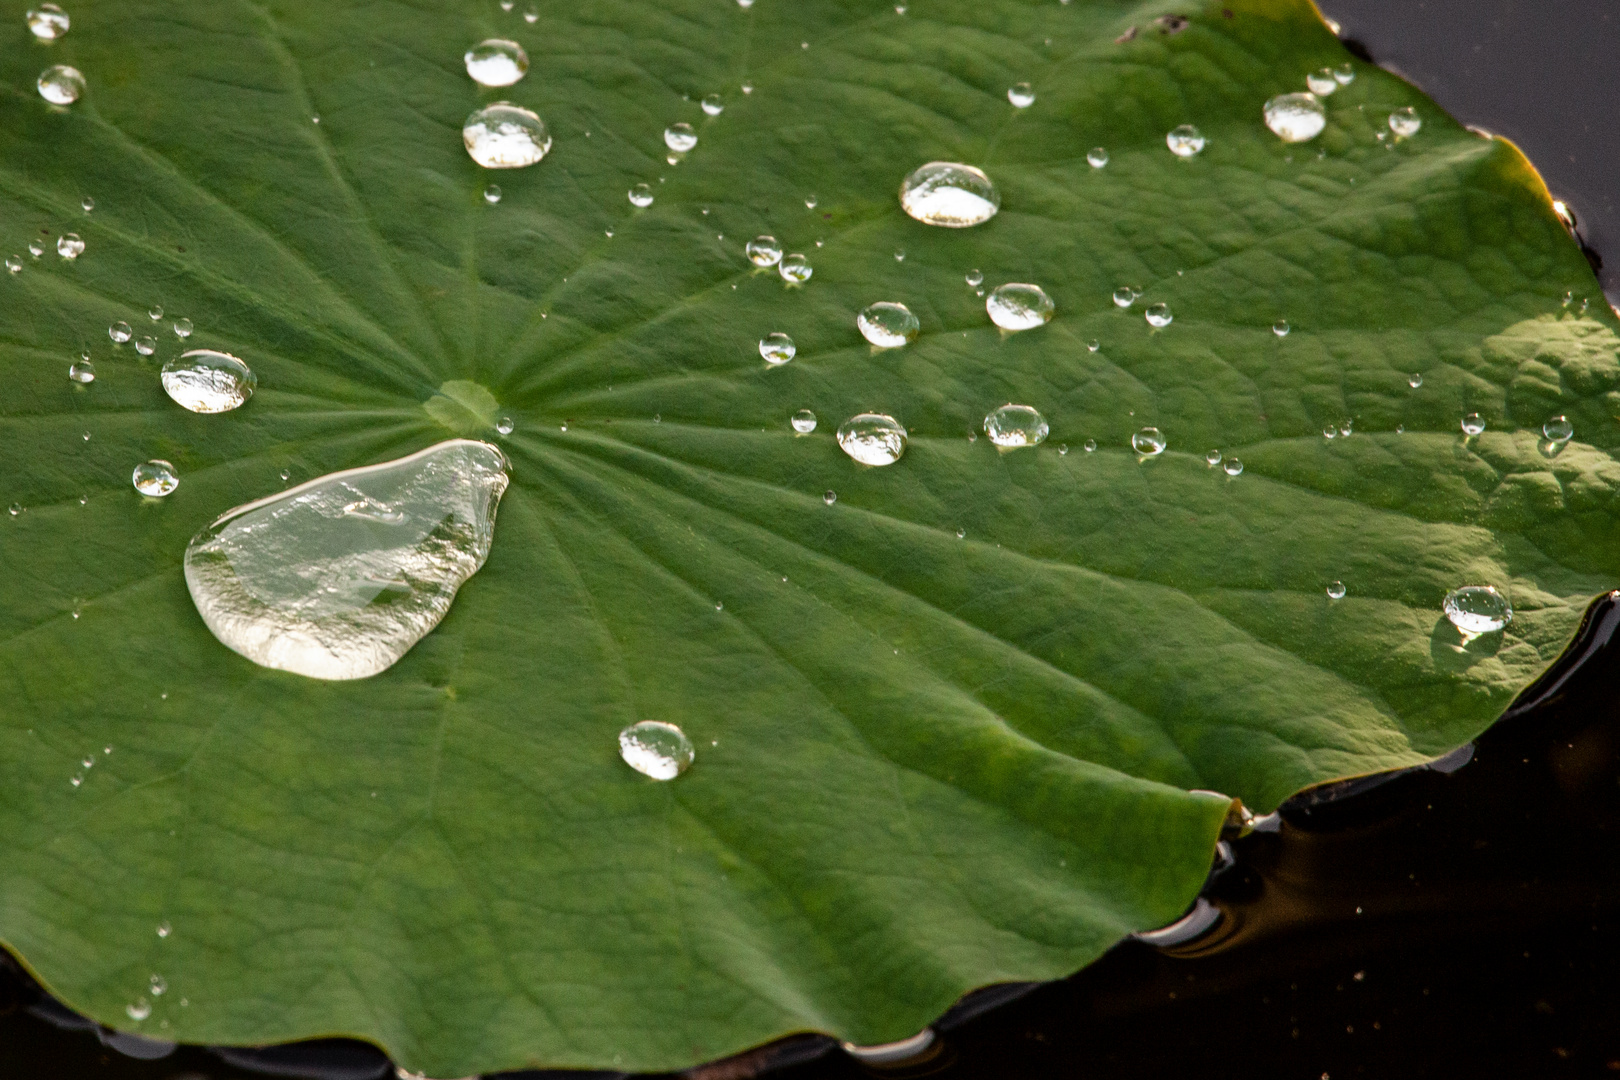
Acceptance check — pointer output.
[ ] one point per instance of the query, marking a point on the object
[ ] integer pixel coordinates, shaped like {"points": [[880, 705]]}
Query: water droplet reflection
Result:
{"points": [[1149, 442], [48, 22], [1185, 141], [1476, 610], [776, 348], [804, 421]]}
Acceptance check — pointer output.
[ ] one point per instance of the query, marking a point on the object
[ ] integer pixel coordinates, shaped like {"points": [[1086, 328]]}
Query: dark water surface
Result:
{"points": [[1435, 924]]}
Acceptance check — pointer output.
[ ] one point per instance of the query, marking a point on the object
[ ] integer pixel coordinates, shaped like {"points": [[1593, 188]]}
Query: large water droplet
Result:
{"points": [[505, 136], [1405, 122], [1022, 95], [60, 84], [1558, 430], [1321, 83], [1097, 157], [1233, 467], [1158, 315], [155, 478], [1149, 442], [764, 251], [336, 578], [48, 22], [656, 749], [119, 331], [804, 421], [776, 348], [1473, 424], [945, 193], [69, 246], [206, 381], [1185, 141], [714, 105], [1295, 118], [795, 269], [680, 137], [1017, 306], [82, 372], [872, 438], [1125, 296], [1012, 426], [888, 325], [1476, 610], [182, 328], [496, 62], [641, 195], [1336, 590]]}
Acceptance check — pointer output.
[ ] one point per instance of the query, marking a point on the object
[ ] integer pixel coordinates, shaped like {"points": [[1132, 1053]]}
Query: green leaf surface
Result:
{"points": [[951, 728]]}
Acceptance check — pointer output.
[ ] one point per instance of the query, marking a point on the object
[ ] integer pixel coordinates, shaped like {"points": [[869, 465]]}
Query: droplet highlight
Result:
{"points": [[1405, 122], [680, 137], [1336, 590], [763, 251], [82, 372], [205, 381], [1158, 316], [641, 196], [1473, 424], [1476, 610], [1096, 157], [1022, 95], [795, 269], [69, 246], [1149, 442], [804, 421], [48, 22], [119, 331]]}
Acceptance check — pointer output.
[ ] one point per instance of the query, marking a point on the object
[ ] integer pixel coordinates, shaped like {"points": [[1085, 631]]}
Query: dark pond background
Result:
{"points": [[1436, 924]]}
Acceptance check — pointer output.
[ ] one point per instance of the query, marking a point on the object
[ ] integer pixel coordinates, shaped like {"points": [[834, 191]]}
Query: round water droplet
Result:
{"points": [[776, 348], [82, 372], [35, 248], [1321, 83], [1093, 345], [748, 88], [764, 251], [155, 478], [205, 381], [505, 136], [15, 509], [1330, 432], [1415, 379], [1018, 306], [146, 346], [119, 331], [496, 62], [1022, 95], [945, 193], [492, 194], [1336, 590], [1213, 457], [804, 421], [641, 195], [1281, 328], [830, 497], [48, 22], [1558, 430], [88, 203], [1063, 448], [794, 269], [1477, 609], [888, 325], [1149, 442], [1344, 74], [164, 930], [974, 278], [508, 5], [1185, 141], [1090, 446], [182, 328], [159, 985], [1296, 118], [1158, 315], [139, 1010], [532, 15], [69, 246], [60, 84], [1125, 296], [1345, 429], [1096, 157], [872, 438], [1473, 424], [680, 137], [899, 254], [155, 312], [504, 425], [14, 263], [1405, 122], [1233, 467], [1013, 426], [714, 105]]}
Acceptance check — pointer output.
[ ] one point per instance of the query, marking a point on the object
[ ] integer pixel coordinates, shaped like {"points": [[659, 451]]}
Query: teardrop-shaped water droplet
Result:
{"points": [[1019, 306], [1477, 609], [496, 62], [1344, 74], [82, 372], [304, 581], [656, 749], [1013, 426], [1295, 118], [1473, 424], [872, 438], [69, 246], [641, 196], [119, 331], [1185, 141], [182, 328], [1321, 83], [1097, 157], [1158, 315], [1405, 122], [1149, 442], [764, 251], [505, 136], [492, 194], [60, 84], [48, 22], [714, 105], [974, 278], [1558, 430], [146, 346], [1125, 296], [1022, 95], [776, 348], [795, 269], [155, 478], [1233, 467], [206, 381], [888, 325], [1336, 590], [680, 137], [949, 194], [804, 421], [1415, 379], [1281, 328]]}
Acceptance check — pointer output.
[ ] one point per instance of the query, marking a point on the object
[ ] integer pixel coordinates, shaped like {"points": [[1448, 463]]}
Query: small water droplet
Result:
{"points": [[804, 421], [205, 381], [88, 203], [155, 478], [1090, 446], [680, 137], [1022, 95], [146, 346], [1093, 345], [76, 780], [1233, 467], [658, 418], [795, 269], [1330, 432], [830, 497], [899, 9], [88, 762], [974, 278], [1296, 118], [1097, 157], [492, 194], [505, 136], [1158, 315], [119, 331], [641, 196], [1336, 590], [1013, 426], [899, 254], [872, 438], [1185, 141], [35, 248], [82, 372], [1345, 429], [1473, 424], [14, 263], [69, 246], [139, 1009], [285, 475], [1405, 122], [961, 534], [14, 509], [531, 15], [714, 105], [1415, 379], [182, 328], [164, 930], [1476, 610], [656, 749], [1558, 430], [60, 84], [1019, 306], [1063, 449], [776, 348], [155, 312], [1344, 74], [1213, 457], [1322, 82], [1149, 442], [504, 425], [159, 985], [508, 5], [763, 251], [1281, 328], [888, 325], [496, 62], [48, 22], [748, 88], [1125, 296], [949, 194]]}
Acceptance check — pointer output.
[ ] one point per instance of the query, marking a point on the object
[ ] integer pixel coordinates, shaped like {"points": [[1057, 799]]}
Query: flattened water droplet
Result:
{"points": [[1336, 590], [888, 325], [182, 328], [1558, 430], [680, 137], [1019, 306], [949, 194], [119, 331], [763, 251], [505, 136], [300, 582], [1233, 467], [1281, 328], [1097, 157], [155, 478], [82, 372], [1296, 118], [1158, 315], [656, 749], [492, 194], [872, 438], [206, 381], [1125, 296], [641, 195], [1473, 424], [776, 348], [60, 84], [804, 421], [69, 246], [1022, 95], [496, 62], [1415, 380], [1476, 610], [48, 22], [1149, 442], [1322, 83], [1185, 141], [714, 105], [1013, 426], [1405, 122], [146, 346]]}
